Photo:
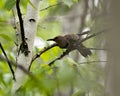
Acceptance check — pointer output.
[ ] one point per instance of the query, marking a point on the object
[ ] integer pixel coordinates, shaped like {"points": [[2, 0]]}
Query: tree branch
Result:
{"points": [[97, 49], [61, 56], [91, 62], [93, 35], [9, 64], [18, 65], [20, 20], [51, 6], [41, 52], [24, 46]]}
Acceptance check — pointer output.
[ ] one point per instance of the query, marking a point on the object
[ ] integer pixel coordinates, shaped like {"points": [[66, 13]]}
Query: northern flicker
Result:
{"points": [[69, 42]]}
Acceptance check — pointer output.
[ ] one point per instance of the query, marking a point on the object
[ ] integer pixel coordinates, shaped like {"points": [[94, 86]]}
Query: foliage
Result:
{"points": [[66, 74]]}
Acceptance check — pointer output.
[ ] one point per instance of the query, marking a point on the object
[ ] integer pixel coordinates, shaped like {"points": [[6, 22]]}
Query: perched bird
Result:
{"points": [[69, 42]]}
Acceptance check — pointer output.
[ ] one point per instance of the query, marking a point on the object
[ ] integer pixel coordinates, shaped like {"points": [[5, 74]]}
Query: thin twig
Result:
{"points": [[18, 66], [51, 6], [9, 64], [41, 52], [61, 56], [91, 62], [66, 53], [93, 35], [97, 49]]}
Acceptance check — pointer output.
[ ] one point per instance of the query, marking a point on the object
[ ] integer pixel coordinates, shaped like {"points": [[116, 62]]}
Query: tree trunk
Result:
{"points": [[30, 26], [113, 38]]}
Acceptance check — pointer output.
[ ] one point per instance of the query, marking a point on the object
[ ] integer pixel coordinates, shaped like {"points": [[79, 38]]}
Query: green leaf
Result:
{"points": [[68, 2], [52, 2], [5, 37], [51, 54], [9, 4]]}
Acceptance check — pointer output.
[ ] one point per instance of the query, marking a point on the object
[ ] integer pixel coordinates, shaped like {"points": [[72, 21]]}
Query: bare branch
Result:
{"points": [[19, 66], [61, 56], [91, 62], [20, 20], [93, 35], [41, 52], [9, 64], [66, 53], [51, 6], [24, 46], [97, 49]]}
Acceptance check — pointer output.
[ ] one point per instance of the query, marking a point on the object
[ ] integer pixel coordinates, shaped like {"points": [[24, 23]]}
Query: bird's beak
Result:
{"points": [[50, 40]]}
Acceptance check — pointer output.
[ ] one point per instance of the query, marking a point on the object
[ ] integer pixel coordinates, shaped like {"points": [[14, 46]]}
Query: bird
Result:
{"points": [[69, 42]]}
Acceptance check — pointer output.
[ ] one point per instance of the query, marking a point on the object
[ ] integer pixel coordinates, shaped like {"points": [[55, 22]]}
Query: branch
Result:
{"points": [[20, 20], [9, 64], [66, 53], [19, 66], [91, 62], [93, 35], [41, 52], [97, 49], [25, 51], [51, 6], [61, 56], [24, 46]]}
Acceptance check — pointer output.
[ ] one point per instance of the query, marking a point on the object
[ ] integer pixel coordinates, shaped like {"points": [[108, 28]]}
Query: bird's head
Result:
{"points": [[60, 40]]}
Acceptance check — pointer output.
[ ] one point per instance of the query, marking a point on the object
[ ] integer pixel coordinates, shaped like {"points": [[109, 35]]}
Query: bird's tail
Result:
{"points": [[84, 51]]}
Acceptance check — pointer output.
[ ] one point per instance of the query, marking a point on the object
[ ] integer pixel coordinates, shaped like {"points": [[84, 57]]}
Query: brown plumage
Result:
{"points": [[69, 42]]}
